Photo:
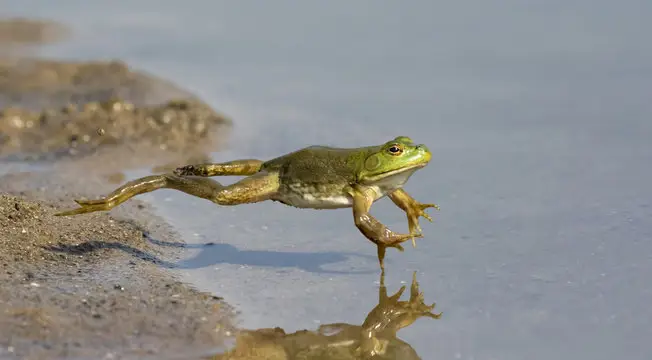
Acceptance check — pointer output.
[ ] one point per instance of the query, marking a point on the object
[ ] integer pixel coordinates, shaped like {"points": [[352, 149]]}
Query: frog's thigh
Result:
{"points": [[258, 187], [195, 186], [255, 188]]}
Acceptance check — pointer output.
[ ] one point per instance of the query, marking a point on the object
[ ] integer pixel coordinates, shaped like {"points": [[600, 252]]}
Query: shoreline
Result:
{"points": [[96, 285]]}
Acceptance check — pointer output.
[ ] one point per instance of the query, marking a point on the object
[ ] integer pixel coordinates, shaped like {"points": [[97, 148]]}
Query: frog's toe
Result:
{"points": [[397, 295], [77, 211], [427, 206], [414, 237], [423, 207], [433, 315], [87, 206]]}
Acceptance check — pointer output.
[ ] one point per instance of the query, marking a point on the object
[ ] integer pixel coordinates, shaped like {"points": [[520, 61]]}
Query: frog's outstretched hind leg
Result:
{"points": [[258, 187], [236, 168], [120, 195]]}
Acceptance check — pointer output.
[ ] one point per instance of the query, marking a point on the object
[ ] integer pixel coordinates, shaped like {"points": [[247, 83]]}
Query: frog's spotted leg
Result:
{"points": [[413, 209], [373, 229], [255, 188], [236, 167]]}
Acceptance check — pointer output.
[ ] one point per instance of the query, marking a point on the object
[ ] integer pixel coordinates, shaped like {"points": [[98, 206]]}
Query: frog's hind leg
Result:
{"points": [[255, 188], [373, 229], [236, 167]]}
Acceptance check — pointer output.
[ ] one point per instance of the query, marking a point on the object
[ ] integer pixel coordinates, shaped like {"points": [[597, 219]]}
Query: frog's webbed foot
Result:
{"points": [[413, 209], [236, 168], [391, 314], [373, 229], [417, 300]]}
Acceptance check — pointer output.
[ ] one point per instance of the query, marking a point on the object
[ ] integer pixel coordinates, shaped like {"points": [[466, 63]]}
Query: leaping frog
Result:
{"points": [[316, 177]]}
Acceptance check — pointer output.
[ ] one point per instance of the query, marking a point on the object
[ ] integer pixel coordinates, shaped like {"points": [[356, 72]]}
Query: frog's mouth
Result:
{"points": [[407, 171]]}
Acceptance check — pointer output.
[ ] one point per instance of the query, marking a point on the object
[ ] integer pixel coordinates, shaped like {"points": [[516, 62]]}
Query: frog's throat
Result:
{"points": [[390, 173]]}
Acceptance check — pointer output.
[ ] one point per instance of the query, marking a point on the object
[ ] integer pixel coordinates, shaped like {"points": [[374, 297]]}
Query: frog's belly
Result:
{"points": [[311, 201]]}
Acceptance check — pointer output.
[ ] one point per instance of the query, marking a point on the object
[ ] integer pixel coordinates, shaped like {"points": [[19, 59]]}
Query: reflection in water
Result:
{"points": [[374, 339]]}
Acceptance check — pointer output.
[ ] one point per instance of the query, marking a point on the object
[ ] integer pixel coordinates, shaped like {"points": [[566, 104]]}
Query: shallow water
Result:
{"points": [[538, 117]]}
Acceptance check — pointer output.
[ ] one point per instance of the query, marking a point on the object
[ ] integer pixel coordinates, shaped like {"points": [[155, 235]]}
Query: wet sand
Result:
{"points": [[94, 286]]}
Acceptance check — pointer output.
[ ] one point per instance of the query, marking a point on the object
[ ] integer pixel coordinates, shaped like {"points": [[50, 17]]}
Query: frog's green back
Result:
{"points": [[320, 164]]}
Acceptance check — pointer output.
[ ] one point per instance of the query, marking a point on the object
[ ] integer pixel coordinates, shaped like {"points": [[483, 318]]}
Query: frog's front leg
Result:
{"points": [[258, 187], [373, 229], [236, 167], [412, 208]]}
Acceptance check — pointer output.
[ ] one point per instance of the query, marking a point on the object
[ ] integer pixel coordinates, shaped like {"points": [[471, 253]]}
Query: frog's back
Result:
{"points": [[316, 164], [316, 176]]}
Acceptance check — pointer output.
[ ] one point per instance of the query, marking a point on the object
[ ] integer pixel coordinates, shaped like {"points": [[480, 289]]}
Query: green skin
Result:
{"points": [[315, 177]]}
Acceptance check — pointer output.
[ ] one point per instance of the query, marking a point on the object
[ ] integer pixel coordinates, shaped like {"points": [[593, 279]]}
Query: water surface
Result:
{"points": [[538, 116]]}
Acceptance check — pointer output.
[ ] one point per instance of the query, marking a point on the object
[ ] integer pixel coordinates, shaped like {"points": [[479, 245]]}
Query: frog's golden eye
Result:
{"points": [[395, 149]]}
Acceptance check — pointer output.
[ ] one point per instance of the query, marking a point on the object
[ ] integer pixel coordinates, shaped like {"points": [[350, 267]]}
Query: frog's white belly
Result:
{"points": [[334, 201], [311, 201]]}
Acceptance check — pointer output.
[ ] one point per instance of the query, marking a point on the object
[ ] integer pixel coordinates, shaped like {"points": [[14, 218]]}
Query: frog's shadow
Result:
{"points": [[215, 253]]}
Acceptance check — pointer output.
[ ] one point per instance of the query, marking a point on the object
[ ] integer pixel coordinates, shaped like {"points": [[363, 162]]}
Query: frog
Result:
{"points": [[315, 177]]}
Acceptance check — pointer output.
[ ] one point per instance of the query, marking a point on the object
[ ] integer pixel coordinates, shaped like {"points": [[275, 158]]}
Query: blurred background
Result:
{"points": [[537, 113]]}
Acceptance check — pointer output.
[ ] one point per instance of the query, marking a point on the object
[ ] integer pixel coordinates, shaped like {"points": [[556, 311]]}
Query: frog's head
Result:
{"points": [[394, 161]]}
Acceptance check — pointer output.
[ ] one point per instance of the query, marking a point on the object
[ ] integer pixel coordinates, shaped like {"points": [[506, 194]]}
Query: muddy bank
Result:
{"points": [[91, 287], [37, 83], [179, 126], [94, 286], [53, 109], [20, 36], [63, 109]]}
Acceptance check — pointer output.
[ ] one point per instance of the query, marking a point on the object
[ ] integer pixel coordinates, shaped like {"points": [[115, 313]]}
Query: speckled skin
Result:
{"points": [[315, 177]]}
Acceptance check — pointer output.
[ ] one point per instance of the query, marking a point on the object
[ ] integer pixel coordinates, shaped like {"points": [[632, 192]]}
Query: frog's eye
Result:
{"points": [[395, 149]]}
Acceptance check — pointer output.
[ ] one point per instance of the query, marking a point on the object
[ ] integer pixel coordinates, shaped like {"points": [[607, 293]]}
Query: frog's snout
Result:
{"points": [[424, 152]]}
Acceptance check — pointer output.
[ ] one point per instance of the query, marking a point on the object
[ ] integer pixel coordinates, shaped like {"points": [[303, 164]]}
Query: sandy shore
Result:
{"points": [[94, 286]]}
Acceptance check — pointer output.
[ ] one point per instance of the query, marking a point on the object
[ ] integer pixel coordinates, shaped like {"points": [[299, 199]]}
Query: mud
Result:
{"points": [[94, 286], [83, 107], [37, 83], [24, 31]]}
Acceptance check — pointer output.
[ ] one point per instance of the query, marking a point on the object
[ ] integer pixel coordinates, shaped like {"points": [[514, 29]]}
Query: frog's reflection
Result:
{"points": [[374, 339]]}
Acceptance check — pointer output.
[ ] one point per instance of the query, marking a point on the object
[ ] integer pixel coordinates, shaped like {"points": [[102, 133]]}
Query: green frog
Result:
{"points": [[316, 177]]}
